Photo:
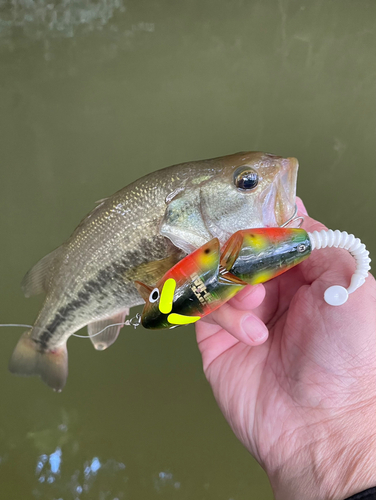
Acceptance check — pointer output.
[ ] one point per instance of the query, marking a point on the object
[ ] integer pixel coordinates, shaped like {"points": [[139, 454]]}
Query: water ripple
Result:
{"points": [[39, 18]]}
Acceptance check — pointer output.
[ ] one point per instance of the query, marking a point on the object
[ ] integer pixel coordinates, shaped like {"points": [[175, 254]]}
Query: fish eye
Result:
{"points": [[245, 178], [154, 296]]}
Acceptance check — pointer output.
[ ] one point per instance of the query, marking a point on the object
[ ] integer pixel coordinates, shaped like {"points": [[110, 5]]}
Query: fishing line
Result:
{"points": [[95, 334], [135, 322], [16, 324]]}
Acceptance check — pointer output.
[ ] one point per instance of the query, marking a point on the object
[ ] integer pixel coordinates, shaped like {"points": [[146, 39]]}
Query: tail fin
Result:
{"points": [[51, 366]]}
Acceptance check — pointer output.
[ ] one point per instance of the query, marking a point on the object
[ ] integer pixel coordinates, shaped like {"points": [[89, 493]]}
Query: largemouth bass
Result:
{"points": [[138, 234]]}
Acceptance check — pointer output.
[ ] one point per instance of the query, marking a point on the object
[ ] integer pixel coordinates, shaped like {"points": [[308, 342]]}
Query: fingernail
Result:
{"points": [[254, 328]]}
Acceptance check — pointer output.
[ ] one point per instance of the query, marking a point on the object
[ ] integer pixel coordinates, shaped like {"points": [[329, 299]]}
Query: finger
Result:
{"points": [[212, 341], [244, 326], [249, 298]]}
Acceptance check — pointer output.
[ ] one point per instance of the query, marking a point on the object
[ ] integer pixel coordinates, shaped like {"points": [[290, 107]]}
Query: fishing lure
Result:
{"points": [[209, 276]]}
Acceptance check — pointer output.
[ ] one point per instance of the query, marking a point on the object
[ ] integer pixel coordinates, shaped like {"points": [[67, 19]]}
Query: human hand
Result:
{"points": [[301, 398]]}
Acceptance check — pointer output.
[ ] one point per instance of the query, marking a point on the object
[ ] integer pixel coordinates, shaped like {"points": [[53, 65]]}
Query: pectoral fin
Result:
{"points": [[110, 333], [226, 277], [231, 250], [143, 290]]}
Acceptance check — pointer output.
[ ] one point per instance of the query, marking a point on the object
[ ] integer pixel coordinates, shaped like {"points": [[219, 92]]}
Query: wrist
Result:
{"points": [[333, 465]]}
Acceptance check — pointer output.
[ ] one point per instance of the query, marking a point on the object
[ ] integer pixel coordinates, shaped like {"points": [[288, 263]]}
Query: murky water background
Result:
{"points": [[96, 93]]}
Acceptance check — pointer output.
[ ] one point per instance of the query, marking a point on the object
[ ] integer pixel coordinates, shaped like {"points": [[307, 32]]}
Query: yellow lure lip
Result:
{"points": [[167, 296], [181, 319]]}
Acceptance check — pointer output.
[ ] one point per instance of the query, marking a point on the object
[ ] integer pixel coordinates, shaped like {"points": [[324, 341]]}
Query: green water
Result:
{"points": [[94, 94]]}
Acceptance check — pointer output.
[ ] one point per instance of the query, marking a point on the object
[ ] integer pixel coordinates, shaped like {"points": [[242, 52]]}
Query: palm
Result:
{"points": [[272, 394]]}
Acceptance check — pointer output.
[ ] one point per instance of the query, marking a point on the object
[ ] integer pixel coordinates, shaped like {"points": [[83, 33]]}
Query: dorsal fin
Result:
{"points": [[35, 280]]}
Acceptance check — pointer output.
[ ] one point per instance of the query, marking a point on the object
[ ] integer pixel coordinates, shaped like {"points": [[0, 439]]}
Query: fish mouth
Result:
{"points": [[278, 206]]}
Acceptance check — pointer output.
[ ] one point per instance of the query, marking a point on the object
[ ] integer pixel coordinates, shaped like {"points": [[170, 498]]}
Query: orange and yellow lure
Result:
{"points": [[209, 276]]}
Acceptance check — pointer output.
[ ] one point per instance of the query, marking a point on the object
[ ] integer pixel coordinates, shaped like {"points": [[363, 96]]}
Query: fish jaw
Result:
{"points": [[284, 206], [277, 199]]}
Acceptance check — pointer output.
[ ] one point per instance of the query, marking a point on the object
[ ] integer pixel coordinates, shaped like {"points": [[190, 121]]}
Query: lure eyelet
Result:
{"points": [[154, 295]]}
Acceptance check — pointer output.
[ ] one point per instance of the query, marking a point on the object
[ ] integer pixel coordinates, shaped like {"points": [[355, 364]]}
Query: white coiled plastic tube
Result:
{"points": [[337, 295]]}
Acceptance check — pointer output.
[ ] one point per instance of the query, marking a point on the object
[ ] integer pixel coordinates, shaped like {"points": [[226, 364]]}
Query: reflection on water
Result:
{"points": [[165, 480], [47, 21], [82, 481], [54, 461], [50, 469], [61, 474], [47, 18]]}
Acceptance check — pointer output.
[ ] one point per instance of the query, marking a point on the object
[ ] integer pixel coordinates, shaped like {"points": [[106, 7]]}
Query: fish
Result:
{"points": [[137, 234], [208, 277]]}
